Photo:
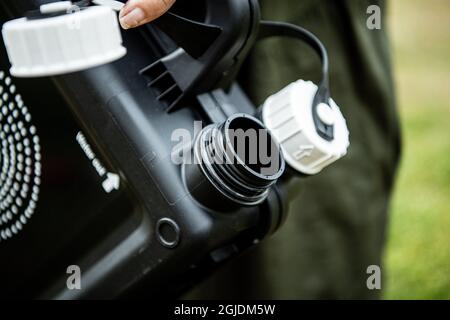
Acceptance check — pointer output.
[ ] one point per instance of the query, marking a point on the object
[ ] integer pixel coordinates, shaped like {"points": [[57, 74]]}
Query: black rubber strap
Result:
{"points": [[270, 29]]}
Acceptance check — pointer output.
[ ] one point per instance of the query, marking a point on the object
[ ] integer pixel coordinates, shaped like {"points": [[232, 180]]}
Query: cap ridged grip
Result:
{"points": [[63, 44], [288, 115]]}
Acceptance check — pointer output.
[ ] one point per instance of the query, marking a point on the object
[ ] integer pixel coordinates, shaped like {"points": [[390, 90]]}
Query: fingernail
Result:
{"points": [[132, 19]]}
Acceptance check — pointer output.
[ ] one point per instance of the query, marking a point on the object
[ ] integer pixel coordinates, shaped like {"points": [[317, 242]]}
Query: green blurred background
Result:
{"points": [[418, 250]]}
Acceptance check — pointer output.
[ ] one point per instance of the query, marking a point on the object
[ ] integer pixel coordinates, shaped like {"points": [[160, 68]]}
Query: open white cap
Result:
{"points": [[71, 42], [289, 117]]}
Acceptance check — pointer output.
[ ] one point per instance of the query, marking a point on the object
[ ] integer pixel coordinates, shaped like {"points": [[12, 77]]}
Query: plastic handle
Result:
{"points": [[181, 30]]}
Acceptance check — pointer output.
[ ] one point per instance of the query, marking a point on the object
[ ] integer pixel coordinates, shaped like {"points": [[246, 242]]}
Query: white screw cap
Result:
{"points": [[72, 42], [288, 115]]}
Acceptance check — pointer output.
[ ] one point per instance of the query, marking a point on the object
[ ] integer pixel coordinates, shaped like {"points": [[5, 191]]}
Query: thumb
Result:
{"points": [[138, 12]]}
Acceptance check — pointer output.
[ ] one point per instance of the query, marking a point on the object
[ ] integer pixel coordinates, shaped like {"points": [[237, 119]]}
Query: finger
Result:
{"points": [[139, 12]]}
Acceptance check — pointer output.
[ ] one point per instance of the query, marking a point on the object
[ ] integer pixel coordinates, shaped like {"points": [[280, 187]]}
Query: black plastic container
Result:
{"points": [[154, 233]]}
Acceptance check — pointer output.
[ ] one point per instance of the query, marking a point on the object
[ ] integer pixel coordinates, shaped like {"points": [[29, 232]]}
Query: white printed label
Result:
{"points": [[111, 180]]}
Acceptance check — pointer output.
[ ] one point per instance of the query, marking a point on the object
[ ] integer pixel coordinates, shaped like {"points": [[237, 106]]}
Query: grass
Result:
{"points": [[418, 250]]}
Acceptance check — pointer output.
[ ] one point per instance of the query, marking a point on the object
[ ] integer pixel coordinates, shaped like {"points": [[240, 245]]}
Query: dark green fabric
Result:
{"points": [[337, 221]]}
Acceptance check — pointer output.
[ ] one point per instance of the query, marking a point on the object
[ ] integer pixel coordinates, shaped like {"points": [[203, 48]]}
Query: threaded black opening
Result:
{"points": [[240, 158]]}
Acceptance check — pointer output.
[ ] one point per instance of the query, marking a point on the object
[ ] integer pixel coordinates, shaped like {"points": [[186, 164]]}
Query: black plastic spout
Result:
{"points": [[236, 164]]}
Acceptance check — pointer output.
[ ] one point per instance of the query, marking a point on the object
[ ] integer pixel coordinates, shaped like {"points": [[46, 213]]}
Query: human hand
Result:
{"points": [[138, 12]]}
